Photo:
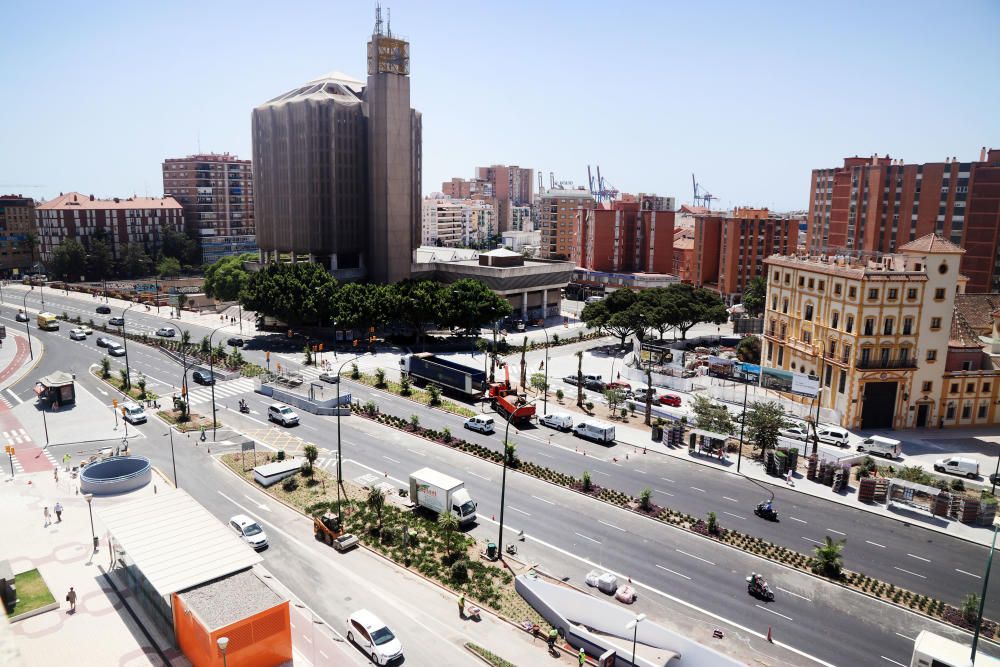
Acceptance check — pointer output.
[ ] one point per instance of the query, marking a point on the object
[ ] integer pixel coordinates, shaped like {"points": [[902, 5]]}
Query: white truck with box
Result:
{"points": [[881, 446], [595, 430], [440, 493]]}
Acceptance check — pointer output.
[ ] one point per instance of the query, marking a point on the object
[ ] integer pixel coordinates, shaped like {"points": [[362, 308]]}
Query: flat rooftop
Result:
{"points": [[230, 599]]}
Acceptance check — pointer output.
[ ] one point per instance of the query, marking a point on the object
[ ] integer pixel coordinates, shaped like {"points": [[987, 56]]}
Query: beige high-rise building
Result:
{"points": [[17, 234], [878, 333], [559, 218]]}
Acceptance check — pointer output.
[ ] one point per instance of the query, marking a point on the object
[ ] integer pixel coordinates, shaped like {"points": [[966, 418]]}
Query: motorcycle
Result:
{"points": [[765, 512], [244, 408], [759, 589]]}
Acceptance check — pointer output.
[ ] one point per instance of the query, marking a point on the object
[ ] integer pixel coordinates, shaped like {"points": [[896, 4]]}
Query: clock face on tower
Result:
{"points": [[388, 55]]}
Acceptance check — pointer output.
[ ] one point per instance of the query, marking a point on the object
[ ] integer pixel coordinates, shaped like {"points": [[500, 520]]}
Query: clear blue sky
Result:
{"points": [[749, 96]]}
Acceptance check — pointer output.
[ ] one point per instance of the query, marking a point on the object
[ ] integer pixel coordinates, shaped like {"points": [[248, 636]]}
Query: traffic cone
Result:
{"points": [[769, 634]]}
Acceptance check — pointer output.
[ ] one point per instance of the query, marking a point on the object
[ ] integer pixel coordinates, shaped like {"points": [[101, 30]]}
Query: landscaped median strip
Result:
{"points": [[709, 529], [487, 656]]}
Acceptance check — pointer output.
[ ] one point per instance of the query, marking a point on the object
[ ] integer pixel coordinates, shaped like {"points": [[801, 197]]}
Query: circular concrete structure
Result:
{"points": [[119, 474]]}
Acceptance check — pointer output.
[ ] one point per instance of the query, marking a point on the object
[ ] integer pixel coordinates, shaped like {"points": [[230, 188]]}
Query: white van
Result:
{"points": [[958, 465], [833, 435], [598, 431], [557, 420], [594, 299], [886, 447], [481, 423]]}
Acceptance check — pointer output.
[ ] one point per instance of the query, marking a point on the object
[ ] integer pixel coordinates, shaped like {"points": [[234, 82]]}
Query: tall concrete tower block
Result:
{"points": [[394, 164]]}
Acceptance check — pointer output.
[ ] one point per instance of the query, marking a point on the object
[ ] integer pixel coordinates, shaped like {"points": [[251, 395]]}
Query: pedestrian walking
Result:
{"points": [[58, 508], [48, 516], [461, 606], [71, 598], [582, 658]]}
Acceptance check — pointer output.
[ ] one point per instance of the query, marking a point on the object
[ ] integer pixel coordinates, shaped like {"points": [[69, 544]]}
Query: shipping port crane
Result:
{"points": [[702, 195]]}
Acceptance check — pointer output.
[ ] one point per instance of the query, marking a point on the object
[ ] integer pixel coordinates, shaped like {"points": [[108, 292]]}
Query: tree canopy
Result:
{"points": [[168, 267], [711, 416], [69, 260], [468, 303], [624, 313], [763, 421], [754, 296], [225, 278]]}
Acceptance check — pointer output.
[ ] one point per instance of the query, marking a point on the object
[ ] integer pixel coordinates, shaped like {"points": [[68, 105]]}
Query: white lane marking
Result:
{"points": [[390, 459], [477, 475], [672, 571], [417, 451], [892, 661], [325, 656], [548, 456], [642, 472], [615, 464], [306, 637], [875, 544], [741, 518], [693, 556], [697, 489], [773, 612], [785, 590], [598, 472], [543, 500], [732, 500], [926, 560], [797, 519], [836, 531], [377, 472], [611, 525], [588, 538], [666, 493], [908, 572], [811, 540], [18, 398], [518, 510], [968, 573], [667, 479], [912, 639]]}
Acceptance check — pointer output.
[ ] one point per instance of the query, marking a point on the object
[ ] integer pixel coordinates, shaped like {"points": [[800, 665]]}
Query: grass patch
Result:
{"points": [[32, 592], [421, 396], [134, 393], [489, 656], [194, 422]]}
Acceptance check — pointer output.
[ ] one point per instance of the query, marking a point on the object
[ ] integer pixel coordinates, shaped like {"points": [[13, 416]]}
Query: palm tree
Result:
{"points": [[830, 556], [509, 449], [448, 522], [123, 376], [579, 378], [105, 368], [376, 503], [311, 454]]}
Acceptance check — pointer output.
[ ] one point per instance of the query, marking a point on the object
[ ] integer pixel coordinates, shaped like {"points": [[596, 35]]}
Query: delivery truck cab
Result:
{"points": [[439, 493], [598, 431]]}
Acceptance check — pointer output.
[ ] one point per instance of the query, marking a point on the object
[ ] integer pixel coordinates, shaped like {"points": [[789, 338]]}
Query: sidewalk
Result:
{"points": [[16, 357]]}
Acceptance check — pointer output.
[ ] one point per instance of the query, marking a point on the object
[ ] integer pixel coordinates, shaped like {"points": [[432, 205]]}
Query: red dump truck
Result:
{"points": [[508, 403]]}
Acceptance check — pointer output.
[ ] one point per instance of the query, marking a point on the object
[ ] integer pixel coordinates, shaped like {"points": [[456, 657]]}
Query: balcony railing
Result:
{"points": [[877, 363]]}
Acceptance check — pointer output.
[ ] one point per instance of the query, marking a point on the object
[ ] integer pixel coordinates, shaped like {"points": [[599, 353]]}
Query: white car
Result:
{"points": [[329, 376], [116, 350], [481, 423], [133, 413], [166, 332], [367, 632], [834, 435], [249, 531], [77, 334], [795, 431], [557, 420], [282, 414], [86, 330]]}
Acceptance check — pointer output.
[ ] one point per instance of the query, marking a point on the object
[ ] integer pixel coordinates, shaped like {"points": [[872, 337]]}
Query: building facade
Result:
{"points": [[337, 166], [119, 222], [216, 192], [876, 332], [626, 237], [460, 188], [877, 204], [560, 211], [444, 223], [17, 234]]}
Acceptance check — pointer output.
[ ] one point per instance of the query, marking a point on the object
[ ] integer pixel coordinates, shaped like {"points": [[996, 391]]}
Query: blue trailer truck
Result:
{"points": [[424, 368]]}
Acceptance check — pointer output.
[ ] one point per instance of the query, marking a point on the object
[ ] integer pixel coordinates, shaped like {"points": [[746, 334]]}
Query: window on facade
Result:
{"points": [[887, 326], [872, 294], [809, 312], [967, 366], [986, 387], [770, 350], [939, 294], [950, 412], [781, 355], [837, 288], [777, 276], [907, 326], [832, 352], [970, 387], [829, 376], [812, 283], [850, 324], [935, 323], [852, 292], [966, 411], [784, 306], [788, 279], [802, 281], [834, 319], [870, 326], [981, 413], [843, 382], [931, 355], [822, 285], [893, 294], [911, 294], [904, 353], [807, 336], [866, 355], [927, 386], [954, 388]]}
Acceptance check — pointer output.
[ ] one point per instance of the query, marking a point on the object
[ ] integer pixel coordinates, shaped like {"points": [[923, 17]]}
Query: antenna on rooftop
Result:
{"points": [[378, 18]]}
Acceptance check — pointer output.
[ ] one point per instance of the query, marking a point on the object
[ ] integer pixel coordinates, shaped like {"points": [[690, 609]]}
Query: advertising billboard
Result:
{"points": [[789, 382]]}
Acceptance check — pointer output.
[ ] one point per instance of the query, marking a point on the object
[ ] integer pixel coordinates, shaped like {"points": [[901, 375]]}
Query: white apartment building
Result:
{"points": [[456, 222]]}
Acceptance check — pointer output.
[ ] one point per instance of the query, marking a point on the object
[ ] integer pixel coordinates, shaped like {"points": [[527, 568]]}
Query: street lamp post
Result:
{"points": [[26, 329], [633, 625], [545, 391], [128, 373], [743, 422], [211, 375], [339, 478], [223, 643], [170, 432], [503, 482], [89, 497]]}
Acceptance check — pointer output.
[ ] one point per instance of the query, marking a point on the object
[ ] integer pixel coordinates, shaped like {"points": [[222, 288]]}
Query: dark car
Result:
{"points": [[571, 379], [203, 377], [117, 321], [21, 316], [594, 384], [235, 342], [103, 310], [104, 341]]}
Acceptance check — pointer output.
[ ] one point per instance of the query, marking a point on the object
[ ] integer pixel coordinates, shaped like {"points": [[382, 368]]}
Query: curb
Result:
{"points": [[34, 612], [27, 367]]}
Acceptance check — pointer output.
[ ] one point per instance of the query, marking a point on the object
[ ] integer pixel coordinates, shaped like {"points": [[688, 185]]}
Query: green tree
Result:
{"points": [[763, 422], [970, 607], [646, 499], [376, 503], [434, 392], [137, 263], [614, 397], [182, 300], [510, 453], [748, 350], [754, 296], [538, 382], [687, 306], [105, 367], [379, 378], [361, 306], [296, 293], [100, 261], [448, 523], [178, 245], [830, 555], [205, 347], [168, 267], [311, 453], [69, 260], [619, 314], [711, 416], [225, 277], [586, 481], [579, 378], [141, 383], [469, 303], [124, 379], [418, 304], [186, 338]]}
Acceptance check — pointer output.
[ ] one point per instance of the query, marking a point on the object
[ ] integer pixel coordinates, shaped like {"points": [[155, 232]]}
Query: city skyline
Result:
{"points": [[749, 100]]}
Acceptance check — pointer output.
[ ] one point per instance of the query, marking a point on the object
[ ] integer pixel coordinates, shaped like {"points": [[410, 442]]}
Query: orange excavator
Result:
{"points": [[508, 403]]}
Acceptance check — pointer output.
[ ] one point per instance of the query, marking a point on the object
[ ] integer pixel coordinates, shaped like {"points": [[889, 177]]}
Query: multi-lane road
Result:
{"points": [[820, 619]]}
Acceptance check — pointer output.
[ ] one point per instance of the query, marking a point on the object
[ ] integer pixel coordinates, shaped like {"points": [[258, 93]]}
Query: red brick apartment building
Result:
{"points": [[876, 204], [626, 237], [729, 247], [140, 220]]}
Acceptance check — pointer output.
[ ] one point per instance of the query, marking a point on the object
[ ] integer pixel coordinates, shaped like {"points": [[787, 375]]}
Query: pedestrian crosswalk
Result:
{"points": [[5, 403], [222, 390], [17, 436]]}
